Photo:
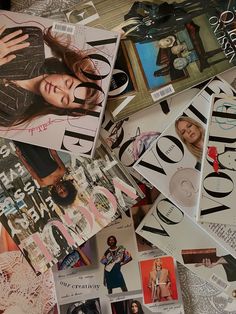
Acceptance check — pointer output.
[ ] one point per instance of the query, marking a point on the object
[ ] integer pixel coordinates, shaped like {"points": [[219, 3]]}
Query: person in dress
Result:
{"points": [[114, 258]]}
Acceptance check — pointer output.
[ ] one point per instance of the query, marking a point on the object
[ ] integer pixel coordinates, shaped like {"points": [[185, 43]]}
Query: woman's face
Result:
{"points": [[190, 132], [134, 308], [60, 90]]}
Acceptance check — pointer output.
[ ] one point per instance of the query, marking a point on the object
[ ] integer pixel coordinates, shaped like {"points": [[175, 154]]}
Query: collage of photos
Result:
{"points": [[127, 275], [52, 201]]}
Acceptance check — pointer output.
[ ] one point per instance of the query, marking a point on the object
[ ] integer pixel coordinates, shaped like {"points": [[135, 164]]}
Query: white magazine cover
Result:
{"points": [[54, 80], [173, 161], [131, 137], [217, 187], [167, 227]]}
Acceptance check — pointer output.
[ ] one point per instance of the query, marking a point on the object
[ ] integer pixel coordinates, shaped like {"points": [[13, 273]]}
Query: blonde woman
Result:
{"points": [[159, 282], [192, 135]]}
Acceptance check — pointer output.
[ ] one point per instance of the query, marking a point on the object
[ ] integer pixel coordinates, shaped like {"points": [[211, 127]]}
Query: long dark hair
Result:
{"points": [[140, 309], [76, 63]]}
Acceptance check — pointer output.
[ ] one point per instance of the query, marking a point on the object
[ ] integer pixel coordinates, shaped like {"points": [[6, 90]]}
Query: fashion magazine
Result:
{"points": [[54, 79], [176, 234], [166, 47], [173, 161], [216, 201], [52, 202], [114, 276]]}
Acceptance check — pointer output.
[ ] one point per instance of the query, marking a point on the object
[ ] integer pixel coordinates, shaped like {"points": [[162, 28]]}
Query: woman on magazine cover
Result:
{"points": [[191, 134], [115, 257], [135, 307], [46, 167], [32, 86], [159, 282]]}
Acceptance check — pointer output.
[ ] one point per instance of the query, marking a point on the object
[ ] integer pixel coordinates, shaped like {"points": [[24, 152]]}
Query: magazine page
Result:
{"points": [[168, 227], [21, 291], [114, 274], [54, 81], [216, 202], [52, 202], [172, 163], [166, 47]]}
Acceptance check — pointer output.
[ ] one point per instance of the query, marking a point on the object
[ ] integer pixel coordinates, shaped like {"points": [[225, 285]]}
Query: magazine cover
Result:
{"points": [[168, 227], [131, 137], [216, 201], [173, 161], [166, 47], [52, 202], [54, 79]]}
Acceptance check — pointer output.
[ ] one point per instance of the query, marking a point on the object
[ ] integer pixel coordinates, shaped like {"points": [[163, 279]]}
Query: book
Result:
{"points": [[172, 163], [216, 201], [172, 230], [196, 256], [52, 202], [55, 81], [167, 47]]}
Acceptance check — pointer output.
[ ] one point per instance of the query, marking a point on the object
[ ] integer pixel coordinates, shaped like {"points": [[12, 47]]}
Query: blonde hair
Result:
{"points": [[196, 151], [155, 262]]}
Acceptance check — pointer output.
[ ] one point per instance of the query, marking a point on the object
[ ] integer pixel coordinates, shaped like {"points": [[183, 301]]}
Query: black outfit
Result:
{"points": [[38, 158], [230, 267], [160, 20], [29, 62]]}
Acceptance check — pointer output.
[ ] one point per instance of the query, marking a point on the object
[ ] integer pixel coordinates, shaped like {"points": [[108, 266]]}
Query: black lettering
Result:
{"points": [[163, 155], [219, 176]]}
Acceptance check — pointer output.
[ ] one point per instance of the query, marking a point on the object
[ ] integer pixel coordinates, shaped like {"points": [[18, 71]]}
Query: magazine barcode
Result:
{"points": [[163, 92], [219, 282], [63, 28]]}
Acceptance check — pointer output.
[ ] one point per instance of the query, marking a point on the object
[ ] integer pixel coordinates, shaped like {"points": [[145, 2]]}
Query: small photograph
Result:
{"points": [[118, 264], [208, 257], [158, 280], [82, 13], [82, 307], [81, 257], [132, 306], [192, 134]]}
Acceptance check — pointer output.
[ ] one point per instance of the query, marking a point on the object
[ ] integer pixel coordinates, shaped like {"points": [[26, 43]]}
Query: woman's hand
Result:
{"points": [[11, 43]]}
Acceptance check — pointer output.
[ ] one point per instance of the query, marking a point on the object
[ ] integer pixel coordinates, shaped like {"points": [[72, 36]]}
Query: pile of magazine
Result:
{"points": [[117, 156]]}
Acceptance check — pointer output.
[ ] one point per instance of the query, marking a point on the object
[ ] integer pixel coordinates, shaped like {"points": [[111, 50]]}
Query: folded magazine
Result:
{"points": [[52, 202], [217, 187], [54, 80], [173, 162], [176, 234], [165, 48]]}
